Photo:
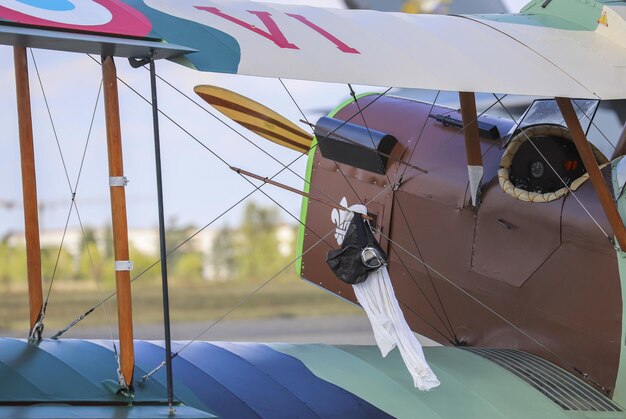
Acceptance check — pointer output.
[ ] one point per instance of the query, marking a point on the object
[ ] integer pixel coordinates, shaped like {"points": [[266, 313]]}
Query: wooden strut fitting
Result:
{"points": [[118, 213], [29, 184], [591, 165], [472, 143]]}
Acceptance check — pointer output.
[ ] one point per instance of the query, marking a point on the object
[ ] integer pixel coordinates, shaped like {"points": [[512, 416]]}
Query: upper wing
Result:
{"points": [[534, 53], [568, 48]]}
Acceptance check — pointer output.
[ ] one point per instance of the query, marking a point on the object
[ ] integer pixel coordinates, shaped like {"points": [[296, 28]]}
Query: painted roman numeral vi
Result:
{"points": [[274, 33]]}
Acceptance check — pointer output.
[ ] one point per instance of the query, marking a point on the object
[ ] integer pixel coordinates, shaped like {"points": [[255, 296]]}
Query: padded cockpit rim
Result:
{"points": [[514, 145]]}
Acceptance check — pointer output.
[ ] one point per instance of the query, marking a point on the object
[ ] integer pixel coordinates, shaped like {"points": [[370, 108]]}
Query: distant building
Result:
{"points": [[286, 236]]}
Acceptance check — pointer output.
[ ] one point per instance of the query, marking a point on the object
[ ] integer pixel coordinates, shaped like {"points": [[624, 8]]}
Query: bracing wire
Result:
{"points": [[170, 252], [419, 136], [293, 99], [479, 302], [221, 121], [256, 188], [93, 270], [54, 130], [73, 188], [56, 262], [45, 305], [241, 302], [321, 239], [92, 309], [82, 227], [445, 141], [406, 222], [360, 112], [231, 128], [310, 125], [593, 123], [485, 306], [67, 176], [435, 271], [448, 326], [152, 265], [265, 151], [413, 238], [221, 160], [452, 339], [218, 157], [73, 204], [253, 293], [82, 159], [459, 131], [432, 282]]}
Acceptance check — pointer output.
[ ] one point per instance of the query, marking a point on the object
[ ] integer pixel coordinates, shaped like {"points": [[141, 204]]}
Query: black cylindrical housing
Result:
{"points": [[354, 145]]}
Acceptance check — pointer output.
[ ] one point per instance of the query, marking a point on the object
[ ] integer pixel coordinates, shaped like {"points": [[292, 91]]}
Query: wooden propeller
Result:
{"points": [[256, 117]]}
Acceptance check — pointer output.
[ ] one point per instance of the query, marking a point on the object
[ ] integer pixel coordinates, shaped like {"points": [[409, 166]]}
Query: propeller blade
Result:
{"points": [[256, 117]]}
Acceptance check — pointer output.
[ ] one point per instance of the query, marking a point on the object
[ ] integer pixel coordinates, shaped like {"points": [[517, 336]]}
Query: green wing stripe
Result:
{"points": [[361, 379], [471, 386]]}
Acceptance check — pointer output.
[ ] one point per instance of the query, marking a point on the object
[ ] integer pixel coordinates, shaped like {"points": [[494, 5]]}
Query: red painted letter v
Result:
{"points": [[273, 33]]}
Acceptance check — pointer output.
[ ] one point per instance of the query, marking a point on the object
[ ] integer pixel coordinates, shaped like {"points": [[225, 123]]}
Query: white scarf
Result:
{"points": [[378, 299]]}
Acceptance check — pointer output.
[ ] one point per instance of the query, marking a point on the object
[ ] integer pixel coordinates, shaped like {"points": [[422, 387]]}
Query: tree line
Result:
{"points": [[246, 252]]}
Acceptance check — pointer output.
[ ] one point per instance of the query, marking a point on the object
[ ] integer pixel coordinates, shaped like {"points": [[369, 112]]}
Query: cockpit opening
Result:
{"points": [[541, 164], [545, 164]]}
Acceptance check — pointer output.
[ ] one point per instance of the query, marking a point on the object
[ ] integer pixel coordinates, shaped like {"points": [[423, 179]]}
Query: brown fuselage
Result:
{"points": [[543, 277]]}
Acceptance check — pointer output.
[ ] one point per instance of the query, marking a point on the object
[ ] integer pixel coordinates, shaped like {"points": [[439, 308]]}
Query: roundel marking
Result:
{"points": [[104, 16]]}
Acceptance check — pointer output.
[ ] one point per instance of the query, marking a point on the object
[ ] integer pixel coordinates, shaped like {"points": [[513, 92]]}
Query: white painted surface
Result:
{"points": [[421, 51], [475, 179]]}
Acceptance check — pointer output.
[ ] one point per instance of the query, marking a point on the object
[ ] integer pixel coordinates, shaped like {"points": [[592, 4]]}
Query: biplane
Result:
{"points": [[505, 235]]}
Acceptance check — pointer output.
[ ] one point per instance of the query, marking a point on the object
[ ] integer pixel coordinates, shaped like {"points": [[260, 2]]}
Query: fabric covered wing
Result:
{"points": [[565, 48], [529, 54]]}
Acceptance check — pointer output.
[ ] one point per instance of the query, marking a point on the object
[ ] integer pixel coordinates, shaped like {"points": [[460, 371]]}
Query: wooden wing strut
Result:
{"points": [[120, 225], [472, 144], [29, 185], [591, 165]]}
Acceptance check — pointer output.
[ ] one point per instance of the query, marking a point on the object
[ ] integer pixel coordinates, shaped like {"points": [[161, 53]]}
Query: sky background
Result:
{"points": [[197, 186]]}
